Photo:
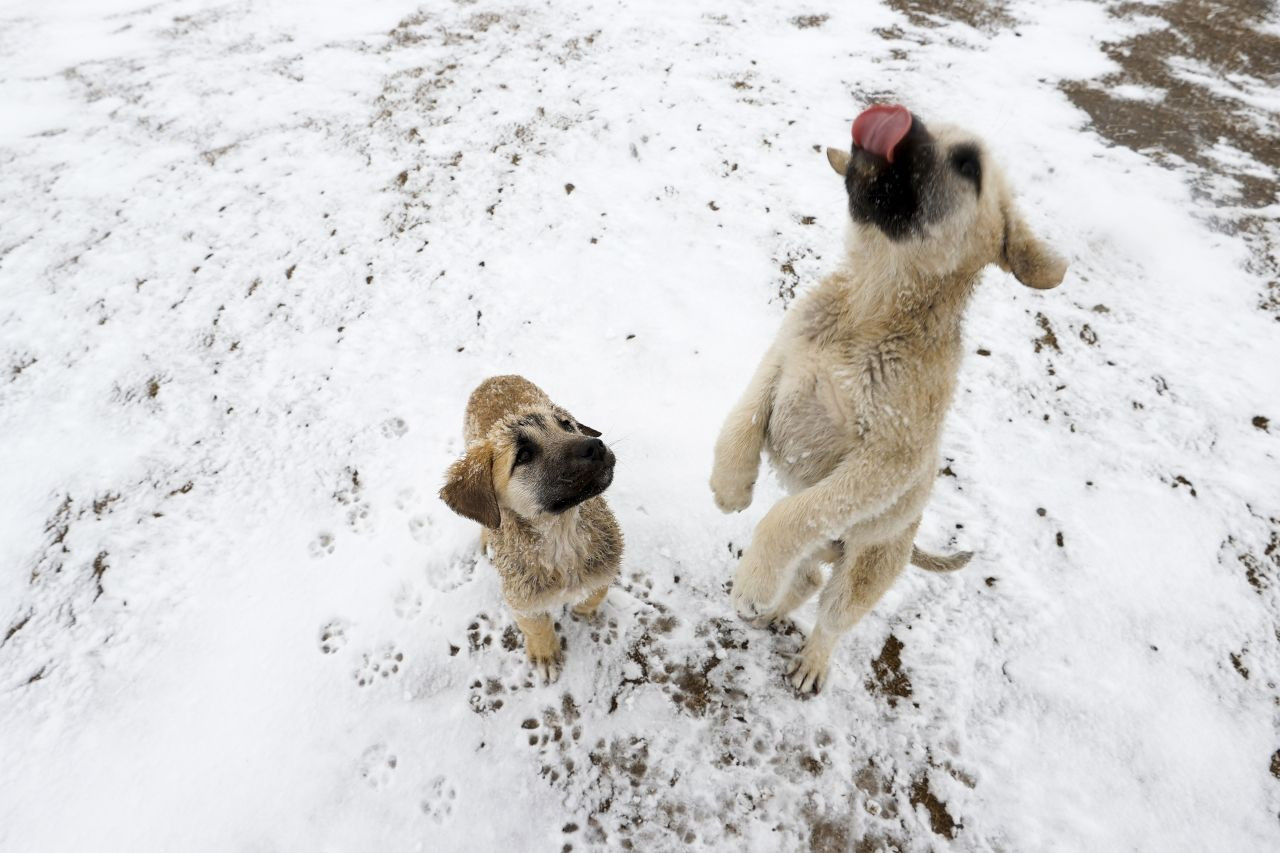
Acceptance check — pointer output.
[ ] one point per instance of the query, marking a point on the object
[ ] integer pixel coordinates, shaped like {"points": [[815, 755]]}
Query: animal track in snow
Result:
{"points": [[408, 602], [553, 736], [504, 672], [604, 630], [360, 517], [480, 633], [383, 664], [418, 526], [333, 636], [394, 427], [377, 766], [438, 803], [321, 546], [348, 492], [458, 572]]}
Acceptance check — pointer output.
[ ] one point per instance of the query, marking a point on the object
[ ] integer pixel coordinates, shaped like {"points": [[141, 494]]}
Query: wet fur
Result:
{"points": [[545, 560], [849, 403]]}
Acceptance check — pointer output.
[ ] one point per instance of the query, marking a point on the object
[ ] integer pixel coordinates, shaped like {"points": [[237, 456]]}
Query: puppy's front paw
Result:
{"points": [[732, 489], [543, 649], [754, 588], [547, 665]]}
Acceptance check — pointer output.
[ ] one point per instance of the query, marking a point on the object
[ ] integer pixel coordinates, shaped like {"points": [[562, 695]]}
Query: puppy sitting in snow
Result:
{"points": [[533, 475], [850, 398]]}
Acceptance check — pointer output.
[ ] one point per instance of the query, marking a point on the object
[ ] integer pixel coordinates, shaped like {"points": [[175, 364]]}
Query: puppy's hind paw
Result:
{"points": [[808, 669], [753, 589], [750, 609], [807, 674]]}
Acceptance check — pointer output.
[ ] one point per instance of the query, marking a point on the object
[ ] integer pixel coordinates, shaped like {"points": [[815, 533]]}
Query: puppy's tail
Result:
{"points": [[936, 563]]}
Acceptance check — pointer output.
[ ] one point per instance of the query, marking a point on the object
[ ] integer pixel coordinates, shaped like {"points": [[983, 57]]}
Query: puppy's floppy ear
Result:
{"points": [[586, 430], [468, 487], [839, 160], [1031, 261]]}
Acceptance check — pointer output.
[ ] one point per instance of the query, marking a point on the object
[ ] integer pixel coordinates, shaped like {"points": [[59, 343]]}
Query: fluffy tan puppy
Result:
{"points": [[533, 475], [850, 398]]}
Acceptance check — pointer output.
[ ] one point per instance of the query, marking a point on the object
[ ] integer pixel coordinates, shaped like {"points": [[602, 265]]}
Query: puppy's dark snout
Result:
{"points": [[593, 449]]}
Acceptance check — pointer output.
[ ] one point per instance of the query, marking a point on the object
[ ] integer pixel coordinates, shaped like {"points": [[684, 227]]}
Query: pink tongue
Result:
{"points": [[880, 128]]}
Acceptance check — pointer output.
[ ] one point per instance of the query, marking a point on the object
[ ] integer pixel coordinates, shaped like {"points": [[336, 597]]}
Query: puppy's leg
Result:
{"points": [[808, 578], [737, 454], [855, 586], [541, 644], [587, 607]]}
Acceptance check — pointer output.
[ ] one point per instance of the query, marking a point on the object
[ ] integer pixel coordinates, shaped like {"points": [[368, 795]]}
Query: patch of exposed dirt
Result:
{"points": [[807, 22], [16, 627], [888, 679], [1192, 76], [979, 14], [1260, 569], [1049, 338], [940, 820]]}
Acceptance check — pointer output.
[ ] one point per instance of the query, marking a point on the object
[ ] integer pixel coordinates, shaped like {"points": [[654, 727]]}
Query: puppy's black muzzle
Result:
{"points": [[887, 195], [587, 471], [592, 449]]}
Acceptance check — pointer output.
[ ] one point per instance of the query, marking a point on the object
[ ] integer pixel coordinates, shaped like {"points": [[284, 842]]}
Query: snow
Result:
{"points": [[254, 256]]}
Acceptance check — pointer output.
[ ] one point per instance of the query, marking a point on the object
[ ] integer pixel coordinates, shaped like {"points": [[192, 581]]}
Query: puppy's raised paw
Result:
{"points": [[732, 489]]}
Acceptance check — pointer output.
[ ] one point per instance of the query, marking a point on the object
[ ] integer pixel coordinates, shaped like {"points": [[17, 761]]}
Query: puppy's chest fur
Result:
{"points": [[544, 566], [847, 372]]}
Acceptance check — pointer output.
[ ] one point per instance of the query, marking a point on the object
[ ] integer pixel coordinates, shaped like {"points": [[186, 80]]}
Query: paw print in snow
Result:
{"points": [[377, 766], [419, 527], [333, 636], [486, 695], [382, 664], [480, 633], [349, 487], [394, 427], [553, 734], [408, 602], [359, 517], [459, 571], [603, 631], [500, 675], [438, 803], [322, 545]]}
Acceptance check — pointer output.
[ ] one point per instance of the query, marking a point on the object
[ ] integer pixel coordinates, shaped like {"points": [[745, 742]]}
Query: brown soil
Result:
{"points": [[1182, 126], [888, 678], [978, 14]]}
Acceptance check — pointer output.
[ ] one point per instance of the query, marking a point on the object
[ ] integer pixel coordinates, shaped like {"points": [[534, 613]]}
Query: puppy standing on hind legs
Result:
{"points": [[849, 400], [533, 476]]}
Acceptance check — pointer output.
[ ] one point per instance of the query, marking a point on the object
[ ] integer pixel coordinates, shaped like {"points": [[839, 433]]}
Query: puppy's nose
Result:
{"points": [[593, 449]]}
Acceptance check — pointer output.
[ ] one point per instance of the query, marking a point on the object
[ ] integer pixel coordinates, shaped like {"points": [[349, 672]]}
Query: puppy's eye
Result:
{"points": [[964, 159], [566, 425], [524, 455]]}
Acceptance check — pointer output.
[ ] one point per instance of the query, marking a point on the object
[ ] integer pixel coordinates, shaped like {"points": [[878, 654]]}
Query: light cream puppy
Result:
{"points": [[850, 398], [533, 476]]}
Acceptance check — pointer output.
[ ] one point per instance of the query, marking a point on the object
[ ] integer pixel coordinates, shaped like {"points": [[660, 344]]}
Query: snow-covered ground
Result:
{"points": [[253, 257]]}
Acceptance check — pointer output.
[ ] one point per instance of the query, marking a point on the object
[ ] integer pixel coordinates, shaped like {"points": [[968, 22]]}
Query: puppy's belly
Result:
{"points": [[810, 428]]}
